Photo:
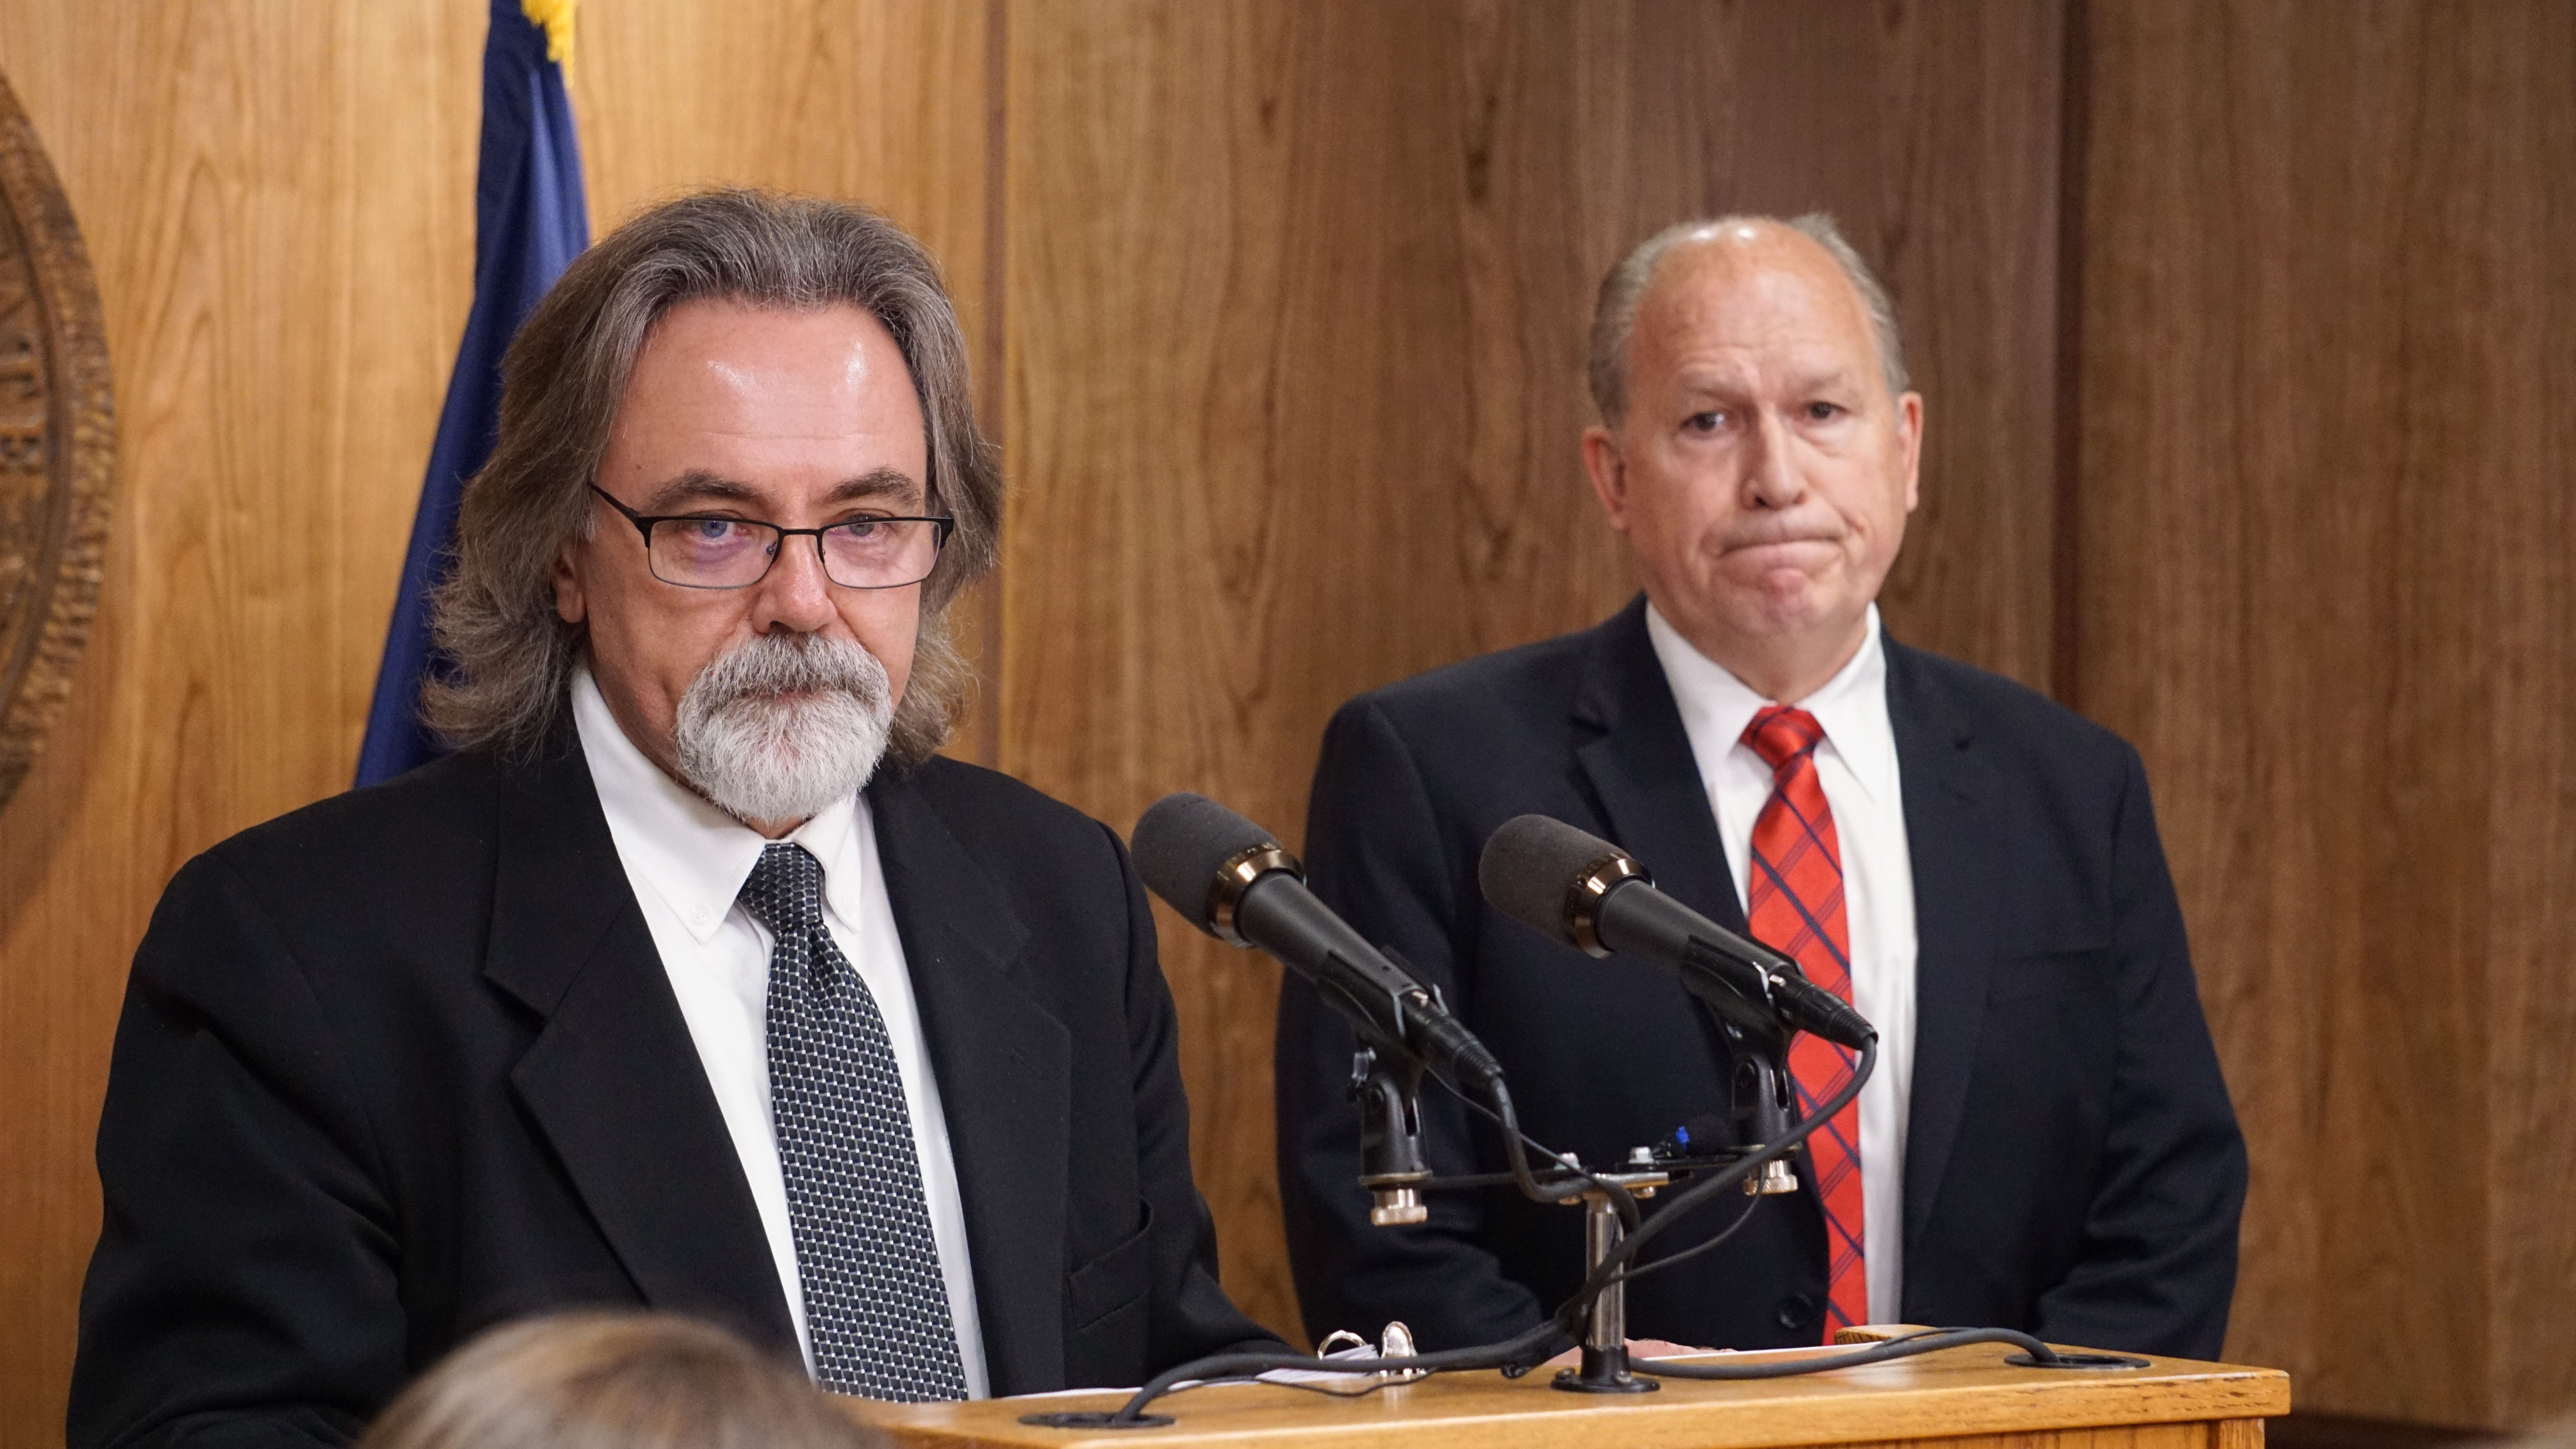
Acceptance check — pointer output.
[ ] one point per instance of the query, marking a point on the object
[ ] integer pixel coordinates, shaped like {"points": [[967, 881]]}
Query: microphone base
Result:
{"points": [[1604, 1371]]}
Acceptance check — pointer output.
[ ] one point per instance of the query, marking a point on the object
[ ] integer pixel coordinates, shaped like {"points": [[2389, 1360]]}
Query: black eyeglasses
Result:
{"points": [[704, 551]]}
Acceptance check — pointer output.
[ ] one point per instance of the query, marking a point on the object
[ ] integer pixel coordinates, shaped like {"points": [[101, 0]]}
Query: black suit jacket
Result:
{"points": [[2073, 1166], [405, 1064]]}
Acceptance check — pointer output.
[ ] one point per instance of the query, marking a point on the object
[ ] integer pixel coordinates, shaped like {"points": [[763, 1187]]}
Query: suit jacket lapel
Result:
{"points": [[1004, 1065], [1945, 785], [614, 1080], [1643, 775]]}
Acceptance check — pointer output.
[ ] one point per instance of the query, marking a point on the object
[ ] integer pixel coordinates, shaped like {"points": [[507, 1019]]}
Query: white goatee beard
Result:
{"points": [[784, 726]]}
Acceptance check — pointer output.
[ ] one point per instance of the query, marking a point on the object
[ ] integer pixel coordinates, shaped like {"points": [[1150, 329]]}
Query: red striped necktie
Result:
{"points": [[1794, 904]]}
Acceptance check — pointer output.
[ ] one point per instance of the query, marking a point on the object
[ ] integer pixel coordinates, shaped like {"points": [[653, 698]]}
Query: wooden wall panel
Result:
{"points": [[882, 102], [1298, 295], [1237, 358], [2324, 533], [279, 207]]}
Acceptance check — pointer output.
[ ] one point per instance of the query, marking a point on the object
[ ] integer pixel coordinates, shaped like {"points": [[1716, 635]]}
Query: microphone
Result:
{"points": [[1589, 894], [1229, 878]]}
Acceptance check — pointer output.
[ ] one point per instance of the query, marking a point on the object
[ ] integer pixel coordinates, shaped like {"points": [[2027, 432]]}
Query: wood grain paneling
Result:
{"points": [[1298, 301], [881, 102], [1236, 368], [284, 259], [2325, 586]]}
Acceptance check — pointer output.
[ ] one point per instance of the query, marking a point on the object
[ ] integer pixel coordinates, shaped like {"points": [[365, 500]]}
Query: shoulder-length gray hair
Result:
{"points": [[511, 656]]}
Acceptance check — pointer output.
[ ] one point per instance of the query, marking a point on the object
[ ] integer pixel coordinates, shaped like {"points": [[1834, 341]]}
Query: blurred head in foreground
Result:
{"points": [[613, 1381]]}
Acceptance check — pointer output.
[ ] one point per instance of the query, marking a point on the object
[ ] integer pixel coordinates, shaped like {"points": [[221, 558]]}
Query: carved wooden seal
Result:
{"points": [[57, 445]]}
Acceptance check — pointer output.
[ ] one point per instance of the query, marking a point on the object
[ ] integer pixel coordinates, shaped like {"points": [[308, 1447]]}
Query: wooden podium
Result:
{"points": [[1967, 1397]]}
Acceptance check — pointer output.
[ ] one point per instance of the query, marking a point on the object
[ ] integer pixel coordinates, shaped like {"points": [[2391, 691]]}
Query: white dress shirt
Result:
{"points": [[687, 861], [1857, 766]]}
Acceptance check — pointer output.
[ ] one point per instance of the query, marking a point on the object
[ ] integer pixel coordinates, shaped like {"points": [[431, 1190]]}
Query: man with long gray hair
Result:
{"points": [[695, 979]]}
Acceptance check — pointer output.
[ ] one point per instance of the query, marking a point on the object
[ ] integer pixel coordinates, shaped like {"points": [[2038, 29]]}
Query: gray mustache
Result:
{"points": [[775, 664]]}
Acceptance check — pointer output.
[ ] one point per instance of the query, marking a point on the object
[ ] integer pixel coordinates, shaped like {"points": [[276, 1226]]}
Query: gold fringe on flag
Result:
{"points": [[556, 17]]}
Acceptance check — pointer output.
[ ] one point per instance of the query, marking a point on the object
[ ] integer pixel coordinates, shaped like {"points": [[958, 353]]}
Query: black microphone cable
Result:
{"points": [[1930, 1340], [1527, 1349], [1516, 1356], [1708, 1185], [1516, 1146], [1232, 879], [1614, 1269], [1651, 1267]]}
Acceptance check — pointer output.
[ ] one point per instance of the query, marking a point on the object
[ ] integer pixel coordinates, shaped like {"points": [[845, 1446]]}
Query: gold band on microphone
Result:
{"points": [[1590, 889], [1235, 877]]}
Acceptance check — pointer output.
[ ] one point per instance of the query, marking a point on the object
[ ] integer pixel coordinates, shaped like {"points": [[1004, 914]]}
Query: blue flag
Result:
{"points": [[529, 223]]}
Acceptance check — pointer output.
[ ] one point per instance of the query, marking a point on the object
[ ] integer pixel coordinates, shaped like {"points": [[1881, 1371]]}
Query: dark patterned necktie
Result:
{"points": [[1794, 903], [876, 1305]]}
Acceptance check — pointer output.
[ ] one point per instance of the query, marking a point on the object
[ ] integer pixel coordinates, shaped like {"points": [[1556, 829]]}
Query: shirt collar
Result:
{"points": [[693, 855], [1851, 706]]}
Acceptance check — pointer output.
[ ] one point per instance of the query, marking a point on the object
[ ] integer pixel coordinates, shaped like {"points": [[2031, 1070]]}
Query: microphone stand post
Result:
{"points": [[1604, 1367]]}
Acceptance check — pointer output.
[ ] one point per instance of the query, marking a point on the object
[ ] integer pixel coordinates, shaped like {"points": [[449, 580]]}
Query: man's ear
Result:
{"points": [[1609, 474], [1909, 437], [570, 604]]}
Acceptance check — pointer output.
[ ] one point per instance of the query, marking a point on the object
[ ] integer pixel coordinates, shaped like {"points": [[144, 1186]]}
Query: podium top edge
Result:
{"points": [[1958, 1392]]}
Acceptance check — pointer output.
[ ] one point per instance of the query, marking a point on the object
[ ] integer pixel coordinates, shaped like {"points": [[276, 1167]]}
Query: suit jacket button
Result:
{"points": [[1795, 1310]]}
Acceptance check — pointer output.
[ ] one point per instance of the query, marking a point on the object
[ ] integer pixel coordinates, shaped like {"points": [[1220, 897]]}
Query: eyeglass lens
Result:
{"points": [[730, 553]]}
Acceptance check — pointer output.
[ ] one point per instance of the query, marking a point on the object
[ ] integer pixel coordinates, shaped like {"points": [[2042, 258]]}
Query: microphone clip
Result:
{"points": [[1392, 1167], [1765, 1103]]}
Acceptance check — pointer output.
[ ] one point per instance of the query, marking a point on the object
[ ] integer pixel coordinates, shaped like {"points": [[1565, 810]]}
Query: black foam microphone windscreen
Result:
{"points": [[1529, 870], [1180, 843], [1533, 870]]}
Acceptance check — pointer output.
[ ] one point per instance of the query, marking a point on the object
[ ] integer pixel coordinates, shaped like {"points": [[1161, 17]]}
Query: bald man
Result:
{"points": [[2046, 1143]]}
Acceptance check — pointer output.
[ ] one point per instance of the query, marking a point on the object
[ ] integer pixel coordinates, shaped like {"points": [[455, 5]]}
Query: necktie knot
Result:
{"points": [[785, 891], [1781, 733]]}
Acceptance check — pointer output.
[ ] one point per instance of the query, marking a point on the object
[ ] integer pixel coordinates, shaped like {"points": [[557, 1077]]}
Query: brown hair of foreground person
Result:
{"points": [[613, 1381]]}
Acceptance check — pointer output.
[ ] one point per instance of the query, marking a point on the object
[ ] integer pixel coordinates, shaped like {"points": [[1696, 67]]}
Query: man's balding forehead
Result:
{"points": [[1751, 250], [1625, 290], [1736, 236]]}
